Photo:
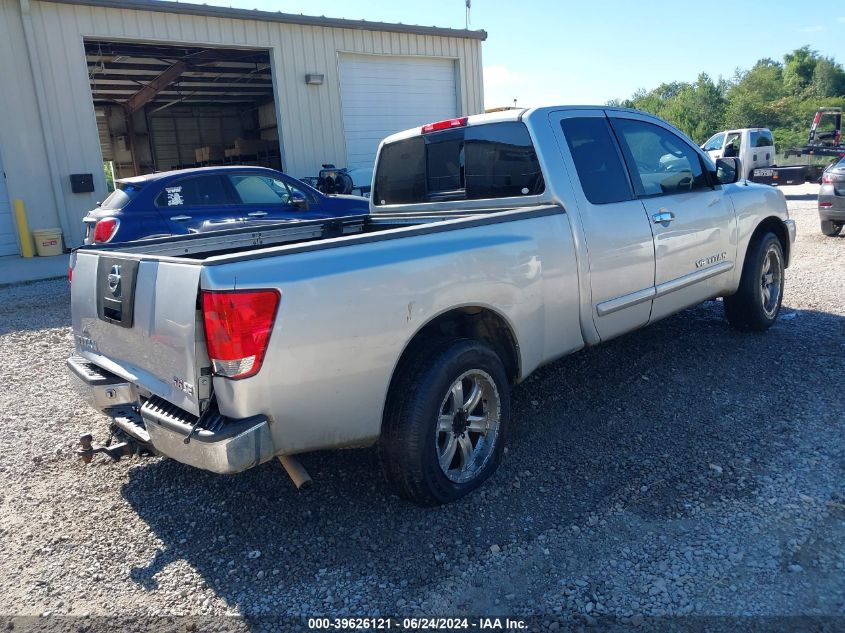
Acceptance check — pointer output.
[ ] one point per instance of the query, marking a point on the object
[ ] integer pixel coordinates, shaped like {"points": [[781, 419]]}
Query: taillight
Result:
{"points": [[70, 265], [827, 178], [238, 324], [444, 125], [105, 229], [825, 205]]}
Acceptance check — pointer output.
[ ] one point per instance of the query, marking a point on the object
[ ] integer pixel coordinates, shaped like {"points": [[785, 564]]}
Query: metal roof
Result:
{"points": [[166, 6]]}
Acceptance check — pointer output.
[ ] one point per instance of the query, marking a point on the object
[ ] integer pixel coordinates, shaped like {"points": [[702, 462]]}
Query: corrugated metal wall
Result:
{"points": [[311, 122], [21, 139]]}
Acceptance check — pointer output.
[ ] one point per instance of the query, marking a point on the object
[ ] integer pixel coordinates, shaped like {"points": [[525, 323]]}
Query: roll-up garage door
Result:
{"points": [[8, 238], [383, 94]]}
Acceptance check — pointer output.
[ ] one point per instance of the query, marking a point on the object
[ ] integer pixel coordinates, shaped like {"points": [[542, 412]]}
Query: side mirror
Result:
{"points": [[727, 170], [298, 200]]}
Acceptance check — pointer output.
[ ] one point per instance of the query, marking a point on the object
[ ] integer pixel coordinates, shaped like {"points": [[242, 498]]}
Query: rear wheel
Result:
{"points": [[831, 229], [446, 422], [756, 304]]}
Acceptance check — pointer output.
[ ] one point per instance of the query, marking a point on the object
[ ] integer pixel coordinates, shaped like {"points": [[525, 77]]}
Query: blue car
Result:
{"points": [[209, 199]]}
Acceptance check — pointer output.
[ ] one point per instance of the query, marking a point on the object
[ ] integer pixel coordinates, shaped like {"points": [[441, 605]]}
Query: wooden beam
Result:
{"points": [[148, 92], [94, 64]]}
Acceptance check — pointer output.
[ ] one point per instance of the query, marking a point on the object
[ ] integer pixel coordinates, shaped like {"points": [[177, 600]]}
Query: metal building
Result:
{"points": [[149, 85]]}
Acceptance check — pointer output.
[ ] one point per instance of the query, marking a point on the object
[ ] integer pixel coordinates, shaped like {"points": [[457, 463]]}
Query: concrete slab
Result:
{"points": [[15, 270]]}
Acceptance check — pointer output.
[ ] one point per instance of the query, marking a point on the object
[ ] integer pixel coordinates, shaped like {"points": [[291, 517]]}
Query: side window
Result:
{"points": [[714, 143], [597, 160], [661, 162], [761, 139], [733, 143], [292, 189], [501, 162], [194, 192], [256, 189]]}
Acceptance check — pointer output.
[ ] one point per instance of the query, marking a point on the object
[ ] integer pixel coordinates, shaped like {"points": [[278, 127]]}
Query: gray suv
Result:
{"points": [[832, 199]]}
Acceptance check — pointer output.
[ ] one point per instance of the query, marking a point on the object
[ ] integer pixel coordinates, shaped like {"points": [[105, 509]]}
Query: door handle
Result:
{"points": [[180, 218], [663, 216], [257, 214]]}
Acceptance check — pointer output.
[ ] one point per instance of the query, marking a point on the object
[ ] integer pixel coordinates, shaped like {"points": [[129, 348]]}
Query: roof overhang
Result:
{"points": [[165, 6]]}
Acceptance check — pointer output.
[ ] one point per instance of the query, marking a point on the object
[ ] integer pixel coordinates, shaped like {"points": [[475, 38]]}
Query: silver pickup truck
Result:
{"points": [[495, 244]]}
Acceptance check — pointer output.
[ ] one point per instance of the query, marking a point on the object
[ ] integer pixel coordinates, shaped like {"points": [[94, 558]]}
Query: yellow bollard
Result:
{"points": [[23, 230]]}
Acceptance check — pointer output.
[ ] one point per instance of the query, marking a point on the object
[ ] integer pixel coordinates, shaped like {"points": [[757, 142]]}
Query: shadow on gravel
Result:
{"points": [[801, 196], [682, 412]]}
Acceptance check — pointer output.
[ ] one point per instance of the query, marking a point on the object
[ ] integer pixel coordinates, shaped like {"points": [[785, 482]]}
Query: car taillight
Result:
{"points": [[238, 324], [444, 125], [825, 205], [827, 178], [105, 229], [70, 265]]}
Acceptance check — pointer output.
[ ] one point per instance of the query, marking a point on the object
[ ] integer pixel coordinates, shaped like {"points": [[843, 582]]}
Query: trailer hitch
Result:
{"points": [[125, 447]]}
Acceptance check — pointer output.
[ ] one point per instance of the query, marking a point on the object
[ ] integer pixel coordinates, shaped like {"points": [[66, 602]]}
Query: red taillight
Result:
{"points": [[444, 125], [105, 229], [70, 274], [825, 205], [238, 324]]}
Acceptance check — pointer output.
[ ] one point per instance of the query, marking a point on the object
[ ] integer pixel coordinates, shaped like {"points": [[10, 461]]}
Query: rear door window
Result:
{"points": [[495, 160], [597, 160], [194, 192]]}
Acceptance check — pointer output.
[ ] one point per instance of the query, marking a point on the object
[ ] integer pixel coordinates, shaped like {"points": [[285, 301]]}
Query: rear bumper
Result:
{"points": [[213, 442]]}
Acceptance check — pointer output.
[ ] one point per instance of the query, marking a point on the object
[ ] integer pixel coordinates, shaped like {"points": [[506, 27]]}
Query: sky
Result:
{"points": [[542, 52]]}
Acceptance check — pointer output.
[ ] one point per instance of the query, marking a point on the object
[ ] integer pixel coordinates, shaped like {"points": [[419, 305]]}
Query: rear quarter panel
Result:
{"points": [[347, 314]]}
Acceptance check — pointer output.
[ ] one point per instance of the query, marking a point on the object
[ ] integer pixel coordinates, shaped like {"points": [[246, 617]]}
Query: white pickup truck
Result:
{"points": [[495, 244], [754, 147]]}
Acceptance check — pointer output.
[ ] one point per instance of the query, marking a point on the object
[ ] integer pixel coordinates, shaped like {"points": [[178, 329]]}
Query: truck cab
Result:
{"points": [[755, 147]]}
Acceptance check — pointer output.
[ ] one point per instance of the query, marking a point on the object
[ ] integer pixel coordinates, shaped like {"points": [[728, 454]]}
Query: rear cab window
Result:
{"points": [[761, 138], [122, 195], [488, 161]]}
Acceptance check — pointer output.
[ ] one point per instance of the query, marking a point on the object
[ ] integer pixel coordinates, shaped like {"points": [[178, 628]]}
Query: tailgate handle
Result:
{"points": [[180, 218]]}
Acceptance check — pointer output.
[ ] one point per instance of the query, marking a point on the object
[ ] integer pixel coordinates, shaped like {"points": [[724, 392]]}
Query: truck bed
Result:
{"points": [[135, 305], [201, 247]]}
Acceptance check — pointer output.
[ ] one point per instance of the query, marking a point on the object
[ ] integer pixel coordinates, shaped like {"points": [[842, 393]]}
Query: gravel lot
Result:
{"points": [[682, 469]]}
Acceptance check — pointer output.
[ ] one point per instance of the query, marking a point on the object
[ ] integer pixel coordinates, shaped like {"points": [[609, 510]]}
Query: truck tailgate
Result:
{"points": [[137, 317]]}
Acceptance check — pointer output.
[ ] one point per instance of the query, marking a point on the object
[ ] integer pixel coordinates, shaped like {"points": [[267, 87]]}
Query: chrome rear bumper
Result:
{"points": [[212, 442]]}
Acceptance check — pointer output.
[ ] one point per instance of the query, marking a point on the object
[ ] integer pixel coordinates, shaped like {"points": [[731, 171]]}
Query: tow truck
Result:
{"points": [[819, 144]]}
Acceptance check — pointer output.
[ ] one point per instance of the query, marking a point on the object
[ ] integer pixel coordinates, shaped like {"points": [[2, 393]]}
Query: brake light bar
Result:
{"points": [[238, 324], [448, 124]]}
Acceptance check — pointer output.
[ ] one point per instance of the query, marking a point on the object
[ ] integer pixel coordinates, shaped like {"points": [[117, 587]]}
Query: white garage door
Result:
{"points": [[8, 237], [385, 94]]}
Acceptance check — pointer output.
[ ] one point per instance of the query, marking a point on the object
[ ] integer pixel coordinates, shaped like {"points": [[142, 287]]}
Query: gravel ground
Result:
{"points": [[682, 469]]}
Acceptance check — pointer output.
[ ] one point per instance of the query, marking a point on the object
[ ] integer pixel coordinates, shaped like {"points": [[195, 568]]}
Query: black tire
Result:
{"points": [[410, 443], [748, 309], [831, 229]]}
